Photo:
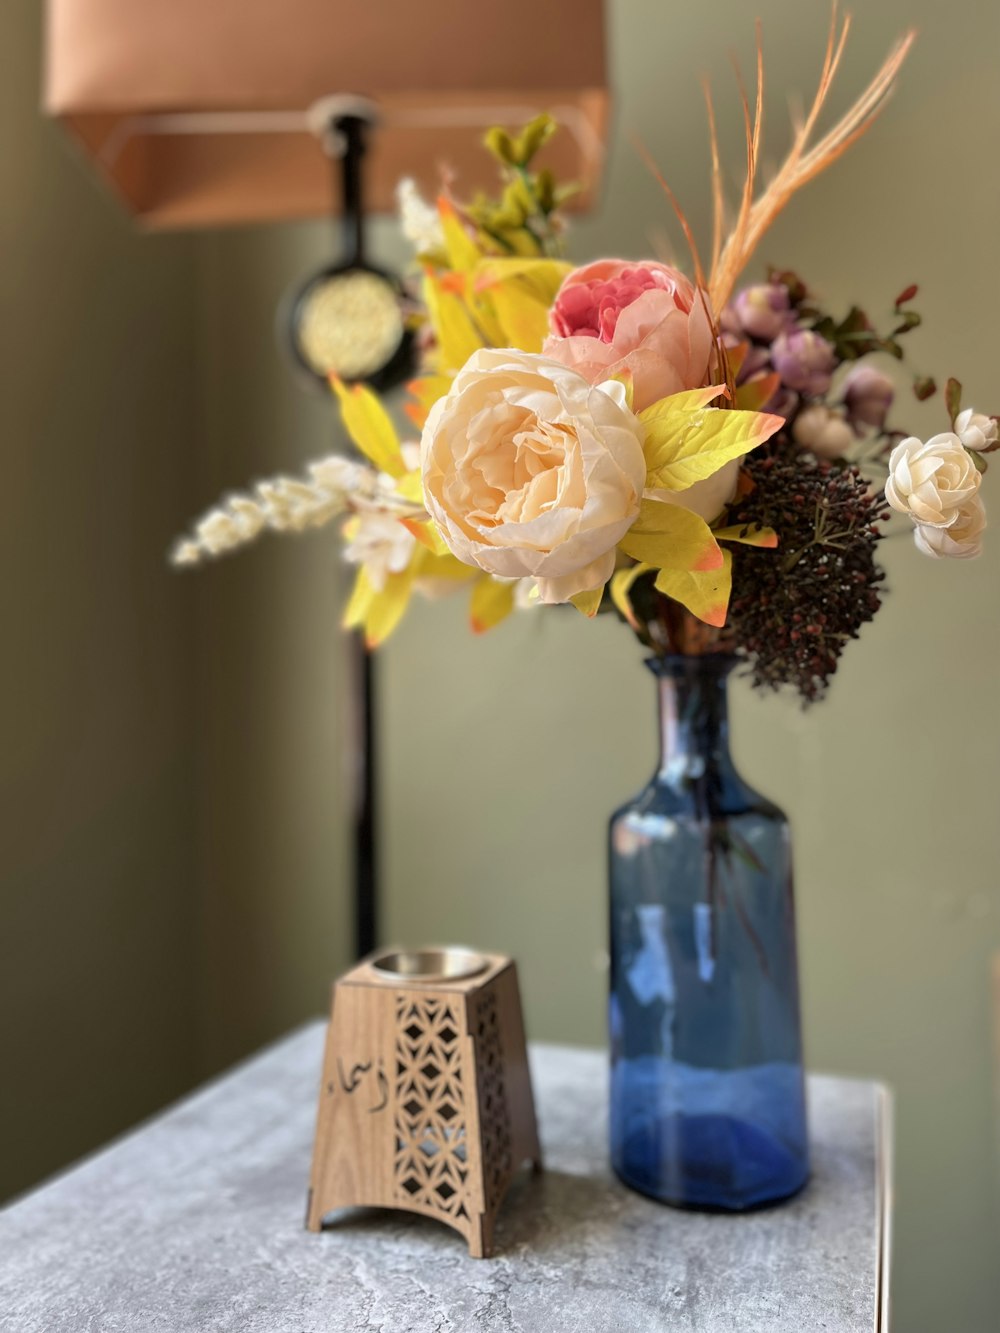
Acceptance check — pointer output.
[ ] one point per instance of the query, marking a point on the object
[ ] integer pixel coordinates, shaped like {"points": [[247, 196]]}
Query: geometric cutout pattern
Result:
{"points": [[494, 1120], [430, 1164]]}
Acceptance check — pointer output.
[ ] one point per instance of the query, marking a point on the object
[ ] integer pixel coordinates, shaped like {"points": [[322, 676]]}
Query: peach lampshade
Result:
{"points": [[196, 111]]}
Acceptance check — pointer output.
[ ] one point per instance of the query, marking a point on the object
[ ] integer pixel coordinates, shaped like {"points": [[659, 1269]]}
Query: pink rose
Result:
{"points": [[612, 316]]}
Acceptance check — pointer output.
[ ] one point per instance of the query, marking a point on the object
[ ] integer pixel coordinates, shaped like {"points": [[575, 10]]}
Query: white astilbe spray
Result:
{"points": [[335, 485]]}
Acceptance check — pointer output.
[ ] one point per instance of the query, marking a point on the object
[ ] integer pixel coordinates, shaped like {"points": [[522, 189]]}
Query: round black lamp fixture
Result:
{"points": [[349, 319]]}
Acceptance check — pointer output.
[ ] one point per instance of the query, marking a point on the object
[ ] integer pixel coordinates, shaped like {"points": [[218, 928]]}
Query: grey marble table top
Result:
{"points": [[195, 1222]]}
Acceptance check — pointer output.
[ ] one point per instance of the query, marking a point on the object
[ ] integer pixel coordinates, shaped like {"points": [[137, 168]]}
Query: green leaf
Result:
{"points": [[953, 398], [536, 133], [499, 143]]}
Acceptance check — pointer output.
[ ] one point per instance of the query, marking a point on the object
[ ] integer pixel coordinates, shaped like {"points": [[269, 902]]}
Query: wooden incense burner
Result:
{"points": [[426, 1100]]}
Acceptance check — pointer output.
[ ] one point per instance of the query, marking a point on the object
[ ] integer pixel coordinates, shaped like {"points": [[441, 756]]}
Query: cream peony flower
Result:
{"points": [[931, 482], [961, 541], [823, 431], [975, 429], [529, 471]]}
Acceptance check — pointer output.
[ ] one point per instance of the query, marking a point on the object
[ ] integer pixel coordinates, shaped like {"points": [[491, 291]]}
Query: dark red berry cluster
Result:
{"points": [[794, 609]]}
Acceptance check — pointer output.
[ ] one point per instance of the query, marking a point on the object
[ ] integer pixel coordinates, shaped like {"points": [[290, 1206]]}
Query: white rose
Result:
{"points": [[823, 431], [961, 541], [931, 482], [529, 471], [975, 429]]}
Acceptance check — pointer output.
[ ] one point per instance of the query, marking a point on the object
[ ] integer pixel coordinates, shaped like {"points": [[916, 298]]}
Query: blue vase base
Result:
{"points": [[710, 1162]]}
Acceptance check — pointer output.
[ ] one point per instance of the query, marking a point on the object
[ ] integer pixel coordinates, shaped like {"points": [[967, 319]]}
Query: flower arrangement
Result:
{"points": [[625, 437]]}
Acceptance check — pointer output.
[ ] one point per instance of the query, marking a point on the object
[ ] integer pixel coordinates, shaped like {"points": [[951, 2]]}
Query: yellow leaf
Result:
{"points": [[428, 535], [684, 446], [410, 487], [588, 602], [705, 593], [491, 602], [426, 390], [378, 612], [523, 242], [359, 603], [521, 290], [621, 586], [463, 252], [456, 335], [369, 426], [444, 565], [687, 401], [425, 533], [540, 278], [670, 537], [735, 356], [524, 322], [752, 396], [386, 608], [750, 534]]}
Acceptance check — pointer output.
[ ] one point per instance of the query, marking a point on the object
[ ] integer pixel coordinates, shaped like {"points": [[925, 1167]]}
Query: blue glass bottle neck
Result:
{"points": [[694, 721]]}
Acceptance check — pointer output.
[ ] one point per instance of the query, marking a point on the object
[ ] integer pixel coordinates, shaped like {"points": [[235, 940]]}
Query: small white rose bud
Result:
{"points": [[823, 431], [975, 429], [961, 541]]}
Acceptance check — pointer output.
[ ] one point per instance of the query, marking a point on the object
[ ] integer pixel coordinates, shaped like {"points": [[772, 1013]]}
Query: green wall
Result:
{"points": [[97, 673]]}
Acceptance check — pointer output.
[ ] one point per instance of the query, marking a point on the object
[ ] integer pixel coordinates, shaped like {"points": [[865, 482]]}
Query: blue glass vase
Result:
{"points": [[707, 1089]]}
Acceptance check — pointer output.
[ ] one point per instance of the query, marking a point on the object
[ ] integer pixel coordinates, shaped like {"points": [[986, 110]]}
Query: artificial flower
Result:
{"points": [[530, 471], [961, 540], [763, 311], [823, 431], [334, 486], [418, 220], [380, 542], [976, 430], [805, 361], [868, 395], [931, 482], [613, 317]]}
